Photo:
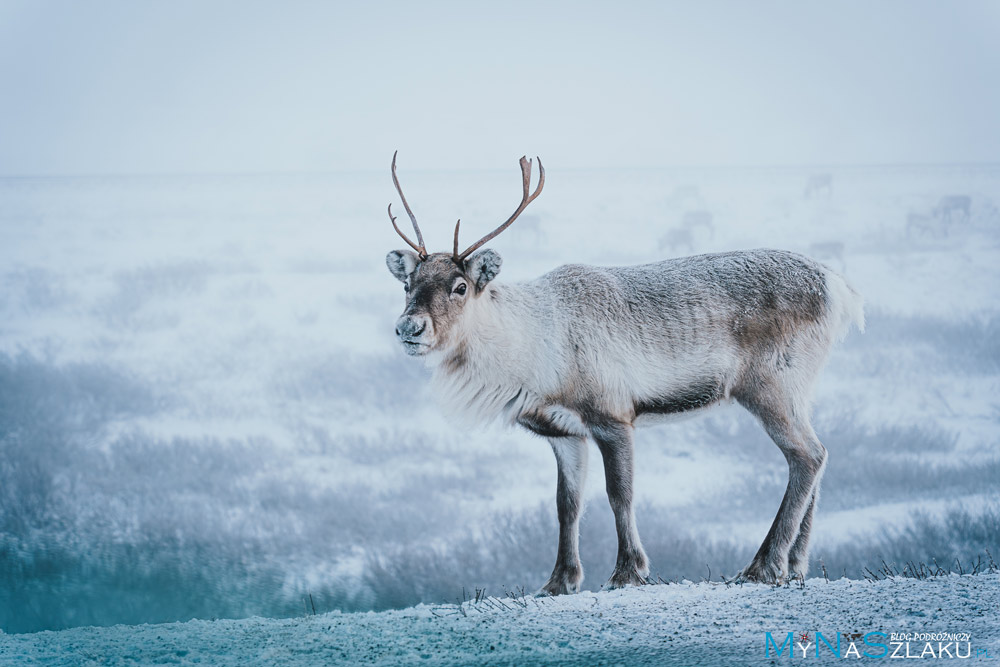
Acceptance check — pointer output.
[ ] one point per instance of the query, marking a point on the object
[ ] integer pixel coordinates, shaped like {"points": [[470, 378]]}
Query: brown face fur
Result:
{"points": [[437, 289], [436, 292]]}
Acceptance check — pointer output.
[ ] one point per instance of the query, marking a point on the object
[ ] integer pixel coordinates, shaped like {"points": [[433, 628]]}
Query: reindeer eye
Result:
{"points": [[460, 289], [406, 287]]}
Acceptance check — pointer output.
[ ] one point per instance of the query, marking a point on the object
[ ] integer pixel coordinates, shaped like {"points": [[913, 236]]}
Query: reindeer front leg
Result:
{"points": [[615, 442], [571, 459]]}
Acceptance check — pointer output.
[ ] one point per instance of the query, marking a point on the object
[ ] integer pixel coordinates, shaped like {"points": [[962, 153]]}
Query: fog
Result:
{"points": [[203, 408], [182, 87]]}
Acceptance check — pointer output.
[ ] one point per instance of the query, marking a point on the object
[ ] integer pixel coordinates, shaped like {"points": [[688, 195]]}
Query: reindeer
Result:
{"points": [[954, 208], [593, 352], [819, 183]]}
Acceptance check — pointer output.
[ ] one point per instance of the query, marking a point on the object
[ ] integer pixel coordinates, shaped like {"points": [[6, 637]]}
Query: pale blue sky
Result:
{"points": [[179, 86]]}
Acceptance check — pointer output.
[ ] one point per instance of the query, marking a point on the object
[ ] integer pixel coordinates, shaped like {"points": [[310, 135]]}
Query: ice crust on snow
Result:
{"points": [[688, 624]]}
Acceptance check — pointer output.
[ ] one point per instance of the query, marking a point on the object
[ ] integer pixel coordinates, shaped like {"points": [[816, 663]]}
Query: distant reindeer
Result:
{"points": [[828, 251], [954, 208], [592, 352], [819, 183], [683, 236]]}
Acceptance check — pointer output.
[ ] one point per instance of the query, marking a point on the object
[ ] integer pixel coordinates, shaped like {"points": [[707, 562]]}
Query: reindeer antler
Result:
{"points": [[525, 200], [421, 250]]}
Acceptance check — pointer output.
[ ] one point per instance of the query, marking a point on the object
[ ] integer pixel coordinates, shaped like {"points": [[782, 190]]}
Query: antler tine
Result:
{"points": [[525, 178], [392, 219], [420, 237], [525, 200], [455, 251]]}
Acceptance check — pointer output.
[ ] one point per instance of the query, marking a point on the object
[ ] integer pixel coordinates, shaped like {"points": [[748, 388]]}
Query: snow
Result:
{"points": [[687, 623]]}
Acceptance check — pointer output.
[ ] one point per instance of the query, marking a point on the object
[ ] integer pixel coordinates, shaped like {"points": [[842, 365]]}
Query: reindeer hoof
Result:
{"points": [[762, 573], [563, 582], [796, 577], [559, 588], [797, 571], [631, 576]]}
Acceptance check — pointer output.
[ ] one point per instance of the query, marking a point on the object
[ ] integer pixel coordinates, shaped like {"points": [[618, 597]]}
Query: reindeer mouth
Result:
{"points": [[414, 348]]}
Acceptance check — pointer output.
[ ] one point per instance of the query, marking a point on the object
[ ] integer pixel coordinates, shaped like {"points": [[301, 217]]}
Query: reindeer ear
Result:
{"points": [[401, 263], [483, 266]]}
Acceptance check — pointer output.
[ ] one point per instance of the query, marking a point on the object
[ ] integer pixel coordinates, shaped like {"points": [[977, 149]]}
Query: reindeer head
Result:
{"points": [[439, 285]]}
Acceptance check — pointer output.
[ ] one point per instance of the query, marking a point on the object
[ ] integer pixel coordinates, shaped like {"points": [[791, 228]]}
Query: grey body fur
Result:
{"points": [[590, 352]]}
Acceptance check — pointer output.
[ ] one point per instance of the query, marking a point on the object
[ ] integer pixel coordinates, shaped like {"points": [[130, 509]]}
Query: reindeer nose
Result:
{"points": [[408, 327]]}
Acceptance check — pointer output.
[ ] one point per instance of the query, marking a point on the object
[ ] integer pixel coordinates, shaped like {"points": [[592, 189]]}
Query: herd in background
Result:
{"points": [[953, 215], [691, 221], [949, 216]]}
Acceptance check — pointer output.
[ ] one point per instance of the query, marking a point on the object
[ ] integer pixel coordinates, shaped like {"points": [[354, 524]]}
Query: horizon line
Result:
{"points": [[677, 167]]}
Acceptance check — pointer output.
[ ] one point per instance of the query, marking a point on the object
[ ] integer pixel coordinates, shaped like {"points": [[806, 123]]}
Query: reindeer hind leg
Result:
{"points": [[785, 422], [798, 555]]}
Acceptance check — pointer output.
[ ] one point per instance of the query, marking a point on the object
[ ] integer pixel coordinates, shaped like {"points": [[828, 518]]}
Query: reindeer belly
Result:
{"points": [[681, 401], [674, 380]]}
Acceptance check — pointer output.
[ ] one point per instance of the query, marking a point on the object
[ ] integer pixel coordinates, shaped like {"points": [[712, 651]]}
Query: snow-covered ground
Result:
{"points": [[679, 624], [204, 412]]}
